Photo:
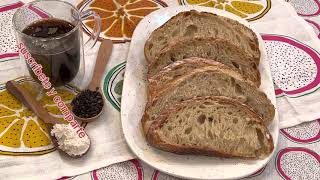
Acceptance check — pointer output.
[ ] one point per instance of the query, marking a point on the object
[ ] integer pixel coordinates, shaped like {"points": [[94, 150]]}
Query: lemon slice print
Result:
{"points": [[119, 18], [21, 132], [250, 10]]}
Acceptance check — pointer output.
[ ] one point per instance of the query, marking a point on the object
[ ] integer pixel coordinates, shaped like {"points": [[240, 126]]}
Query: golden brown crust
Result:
{"points": [[154, 139]]}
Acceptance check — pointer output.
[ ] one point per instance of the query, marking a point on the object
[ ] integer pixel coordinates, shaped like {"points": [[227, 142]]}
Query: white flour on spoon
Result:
{"points": [[69, 141]]}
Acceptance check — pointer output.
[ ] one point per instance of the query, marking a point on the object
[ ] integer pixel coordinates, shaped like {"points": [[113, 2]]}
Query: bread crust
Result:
{"points": [[243, 58], [161, 79], [155, 93], [253, 42], [162, 82], [154, 139], [155, 88]]}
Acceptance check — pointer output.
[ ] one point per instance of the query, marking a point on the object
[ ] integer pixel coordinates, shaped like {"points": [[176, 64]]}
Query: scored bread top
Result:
{"points": [[191, 24], [211, 126]]}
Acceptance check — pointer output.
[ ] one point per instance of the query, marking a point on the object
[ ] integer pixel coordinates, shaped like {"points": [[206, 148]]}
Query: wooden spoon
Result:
{"points": [[103, 56], [30, 102]]}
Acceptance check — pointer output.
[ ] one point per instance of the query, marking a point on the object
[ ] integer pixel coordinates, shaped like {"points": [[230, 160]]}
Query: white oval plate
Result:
{"points": [[134, 97]]}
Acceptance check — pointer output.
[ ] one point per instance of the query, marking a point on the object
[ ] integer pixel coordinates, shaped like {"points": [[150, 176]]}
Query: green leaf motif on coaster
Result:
{"points": [[118, 87], [113, 84]]}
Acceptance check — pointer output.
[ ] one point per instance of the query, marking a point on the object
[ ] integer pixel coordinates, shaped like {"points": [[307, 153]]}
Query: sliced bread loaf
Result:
{"points": [[219, 50], [191, 24], [213, 81], [211, 126], [183, 66]]}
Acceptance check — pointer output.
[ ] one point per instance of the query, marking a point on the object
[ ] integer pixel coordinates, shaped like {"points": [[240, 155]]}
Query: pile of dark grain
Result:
{"points": [[87, 104]]}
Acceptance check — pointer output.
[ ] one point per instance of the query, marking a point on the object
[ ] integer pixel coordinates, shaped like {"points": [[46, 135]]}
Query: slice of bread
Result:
{"points": [[184, 66], [216, 80], [192, 24], [211, 126], [219, 50]]}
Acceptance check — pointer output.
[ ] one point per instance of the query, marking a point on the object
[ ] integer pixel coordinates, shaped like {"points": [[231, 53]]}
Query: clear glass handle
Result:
{"points": [[94, 35]]}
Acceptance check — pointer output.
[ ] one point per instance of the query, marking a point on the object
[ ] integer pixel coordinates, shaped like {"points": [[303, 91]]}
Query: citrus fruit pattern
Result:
{"points": [[21, 132], [308, 132], [119, 18], [279, 93], [157, 175], [294, 65], [113, 83], [298, 163], [306, 7], [315, 26], [129, 170], [8, 50], [247, 9]]}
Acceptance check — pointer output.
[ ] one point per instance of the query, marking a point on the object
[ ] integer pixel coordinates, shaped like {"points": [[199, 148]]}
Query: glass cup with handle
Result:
{"points": [[50, 31]]}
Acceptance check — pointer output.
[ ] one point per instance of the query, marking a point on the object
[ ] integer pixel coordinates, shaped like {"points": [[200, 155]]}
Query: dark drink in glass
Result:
{"points": [[59, 57]]}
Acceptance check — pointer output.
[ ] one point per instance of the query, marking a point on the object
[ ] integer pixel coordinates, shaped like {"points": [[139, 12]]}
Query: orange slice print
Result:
{"points": [[115, 29], [119, 18], [250, 10], [128, 27], [21, 132]]}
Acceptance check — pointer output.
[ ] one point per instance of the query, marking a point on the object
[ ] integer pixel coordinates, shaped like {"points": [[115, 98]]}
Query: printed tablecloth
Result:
{"points": [[297, 155]]}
